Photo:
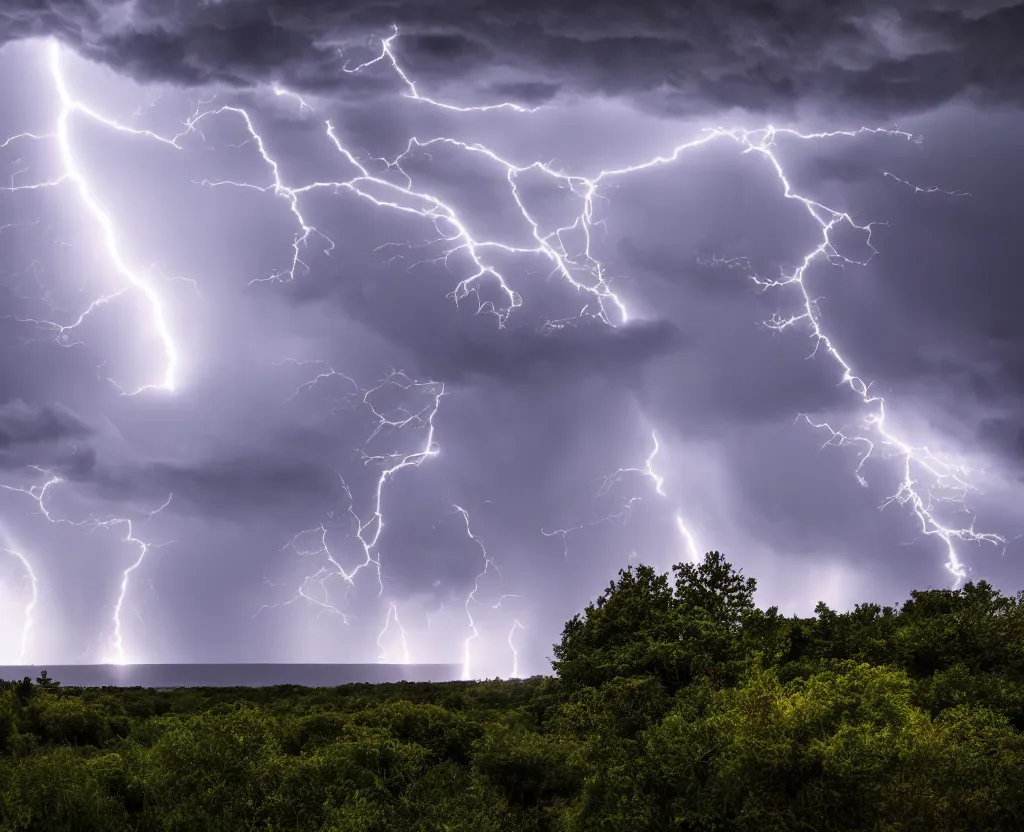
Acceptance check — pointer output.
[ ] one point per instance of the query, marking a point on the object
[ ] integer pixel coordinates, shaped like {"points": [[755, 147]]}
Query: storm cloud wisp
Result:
{"points": [[547, 312]]}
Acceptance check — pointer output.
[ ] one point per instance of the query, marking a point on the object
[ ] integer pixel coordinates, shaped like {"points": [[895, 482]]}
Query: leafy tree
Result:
{"points": [[446, 735], [451, 798], [66, 720], [641, 625], [679, 705], [976, 626], [45, 682], [715, 589], [934, 630], [846, 749], [24, 690], [535, 773], [8, 719], [54, 791], [628, 631], [215, 773], [622, 707]]}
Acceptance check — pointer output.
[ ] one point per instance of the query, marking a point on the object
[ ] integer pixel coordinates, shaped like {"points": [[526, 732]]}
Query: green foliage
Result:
{"points": [[641, 625], [329, 784], [451, 798], [679, 705], [45, 682], [55, 790], [67, 720], [526, 766], [535, 773], [211, 773], [622, 707], [8, 719], [446, 735]]}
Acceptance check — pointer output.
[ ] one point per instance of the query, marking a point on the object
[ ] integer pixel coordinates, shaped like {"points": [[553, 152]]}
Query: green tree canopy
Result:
{"points": [[700, 625]]}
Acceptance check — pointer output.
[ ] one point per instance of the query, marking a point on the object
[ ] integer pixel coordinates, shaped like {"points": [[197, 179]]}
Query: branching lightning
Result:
{"points": [[929, 482], [387, 54], [39, 494], [367, 533], [403, 635], [26, 627], [927, 189], [489, 564], [117, 655], [605, 485], [73, 173]]}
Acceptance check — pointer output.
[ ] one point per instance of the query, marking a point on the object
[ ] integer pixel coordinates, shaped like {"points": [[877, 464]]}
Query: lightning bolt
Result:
{"points": [[393, 616], [515, 652], [929, 481], [387, 54], [927, 189], [38, 494], [73, 173], [118, 655], [606, 484], [367, 533], [33, 598], [474, 632]]}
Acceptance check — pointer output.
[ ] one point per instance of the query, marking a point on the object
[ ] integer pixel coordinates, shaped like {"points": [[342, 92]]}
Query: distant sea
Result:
{"points": [[232, 675]]}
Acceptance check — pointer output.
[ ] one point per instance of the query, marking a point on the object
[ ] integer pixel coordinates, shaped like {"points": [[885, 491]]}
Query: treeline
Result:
{"points": [[678, 705]]}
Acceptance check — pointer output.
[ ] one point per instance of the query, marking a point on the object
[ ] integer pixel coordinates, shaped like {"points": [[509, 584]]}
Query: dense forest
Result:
{"points": [[678, 704]]}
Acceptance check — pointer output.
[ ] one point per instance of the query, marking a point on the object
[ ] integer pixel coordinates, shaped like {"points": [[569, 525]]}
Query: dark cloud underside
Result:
{"points": [[881, 59], [24, 423]]}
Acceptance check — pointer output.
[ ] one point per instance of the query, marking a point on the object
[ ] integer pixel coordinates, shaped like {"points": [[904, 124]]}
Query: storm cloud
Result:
{"points": [[880, 59], [23, 423], [374, 432]]}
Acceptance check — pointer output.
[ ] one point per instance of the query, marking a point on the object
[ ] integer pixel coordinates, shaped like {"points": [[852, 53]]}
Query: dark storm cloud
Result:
{"points": [[878, 57], [22, 423], [530, 355], [462, 348], [50, 437], [948, 315], [227, 487], [1004, 434]]}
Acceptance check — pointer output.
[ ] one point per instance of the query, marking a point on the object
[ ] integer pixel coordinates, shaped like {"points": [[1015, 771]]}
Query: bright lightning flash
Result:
{"points": [[489, 564], [73, 173], [385, 185], [38, 494], [33, 598], [609, 480], [367, 533]]}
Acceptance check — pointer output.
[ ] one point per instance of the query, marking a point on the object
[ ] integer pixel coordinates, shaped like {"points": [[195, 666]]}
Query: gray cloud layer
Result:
{"points": [[24, 423], [50, 436], [879, 58]]}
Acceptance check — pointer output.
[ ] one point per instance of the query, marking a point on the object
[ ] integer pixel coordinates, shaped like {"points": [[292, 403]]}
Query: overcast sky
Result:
{"points": [[232, 318]]}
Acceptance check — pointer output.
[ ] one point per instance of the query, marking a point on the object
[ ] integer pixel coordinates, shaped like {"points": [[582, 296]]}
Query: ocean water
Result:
{"points": [[232, 675]]}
